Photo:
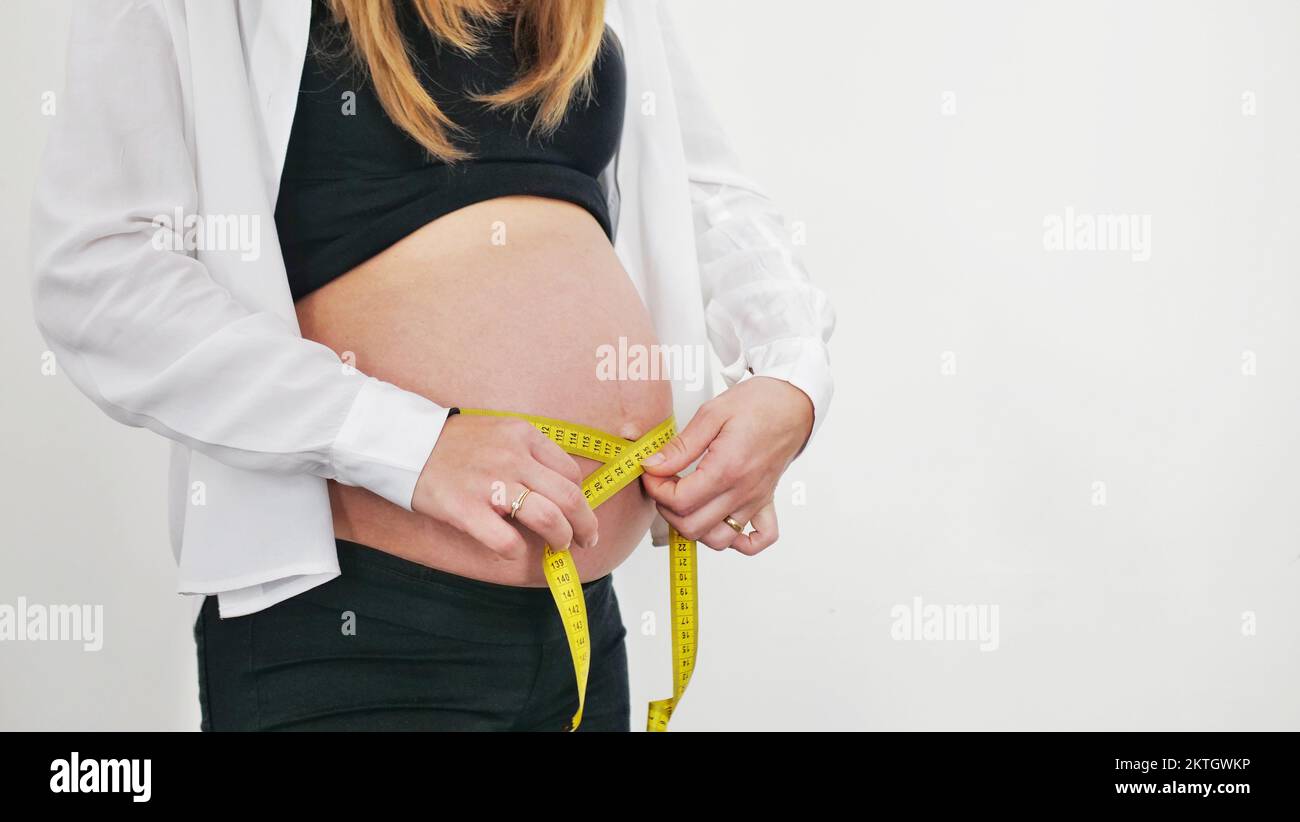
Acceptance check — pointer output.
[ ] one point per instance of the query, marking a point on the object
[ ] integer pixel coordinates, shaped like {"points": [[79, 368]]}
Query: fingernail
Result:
{"points": [[653, 459], [594, 540]]}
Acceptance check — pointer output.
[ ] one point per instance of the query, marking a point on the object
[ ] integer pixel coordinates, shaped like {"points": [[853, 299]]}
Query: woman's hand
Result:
{"points": [[750, 432], [481, 464]]}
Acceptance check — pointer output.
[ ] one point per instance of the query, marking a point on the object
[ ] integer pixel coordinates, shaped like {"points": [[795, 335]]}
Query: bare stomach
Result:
{"points": [[455, 314]]}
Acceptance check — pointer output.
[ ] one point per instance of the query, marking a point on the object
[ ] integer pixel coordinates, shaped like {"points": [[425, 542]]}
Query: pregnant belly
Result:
{"points": [[505, 304]]}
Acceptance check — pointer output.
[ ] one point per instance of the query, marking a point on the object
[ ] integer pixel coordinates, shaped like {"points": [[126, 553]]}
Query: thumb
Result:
{"points": [[688, 446]]}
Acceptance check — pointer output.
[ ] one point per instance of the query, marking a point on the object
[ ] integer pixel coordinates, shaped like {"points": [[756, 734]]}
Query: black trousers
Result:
{"points": [[394, 645]]}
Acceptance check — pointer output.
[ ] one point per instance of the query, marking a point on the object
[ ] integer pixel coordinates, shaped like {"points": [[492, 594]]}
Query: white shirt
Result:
{"points": [[187, 105]]}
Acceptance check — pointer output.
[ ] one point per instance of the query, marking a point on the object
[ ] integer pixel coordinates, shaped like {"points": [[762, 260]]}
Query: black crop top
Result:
{"points": [[354, 183]]}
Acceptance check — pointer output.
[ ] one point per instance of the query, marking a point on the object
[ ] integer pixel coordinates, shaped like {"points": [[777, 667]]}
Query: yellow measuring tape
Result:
{"points": [[621, 466]]}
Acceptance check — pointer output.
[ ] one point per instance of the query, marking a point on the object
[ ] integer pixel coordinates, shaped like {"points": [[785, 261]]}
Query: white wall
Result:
{"points": [[81, 497], [1071, 368]]}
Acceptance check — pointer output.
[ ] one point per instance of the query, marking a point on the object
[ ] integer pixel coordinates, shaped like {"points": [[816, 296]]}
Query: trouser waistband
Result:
{"points": [[389, 587]]}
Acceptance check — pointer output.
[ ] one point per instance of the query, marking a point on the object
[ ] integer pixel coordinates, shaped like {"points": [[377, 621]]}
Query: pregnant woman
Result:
{"points": [[298, 237]]}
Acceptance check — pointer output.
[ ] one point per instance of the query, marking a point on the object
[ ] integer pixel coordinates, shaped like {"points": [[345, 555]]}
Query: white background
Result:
{"points": [[1072, 368]]}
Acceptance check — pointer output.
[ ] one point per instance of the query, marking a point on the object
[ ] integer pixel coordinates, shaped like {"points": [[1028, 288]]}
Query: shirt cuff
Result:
{"points": [[386, 440], [805, 363]]}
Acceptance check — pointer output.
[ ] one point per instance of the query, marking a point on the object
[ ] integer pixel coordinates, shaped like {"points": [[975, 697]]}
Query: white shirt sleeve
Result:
{"points": [[763, 312], [145, 332]]}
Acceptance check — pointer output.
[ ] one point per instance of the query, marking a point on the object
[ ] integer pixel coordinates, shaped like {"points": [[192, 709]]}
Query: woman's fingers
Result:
{"points": [[764, 535], [481, 465], [718, 535], [703, 524], [690, 494], [723, 468], [544, 518], [568, 498], [548, 453], [721, 535], [556, 476], [495, 533], [689, 444]]}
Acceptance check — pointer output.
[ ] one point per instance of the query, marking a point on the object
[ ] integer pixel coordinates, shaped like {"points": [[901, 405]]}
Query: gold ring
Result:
{"points": [[519, 502], [735, 526]]}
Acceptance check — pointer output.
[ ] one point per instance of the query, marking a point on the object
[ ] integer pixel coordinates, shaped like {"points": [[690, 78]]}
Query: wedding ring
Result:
{"points": [[519, 502], [735, 526]]}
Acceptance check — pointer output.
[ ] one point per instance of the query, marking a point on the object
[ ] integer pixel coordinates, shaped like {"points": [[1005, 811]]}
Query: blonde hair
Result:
{"points": [[555, 41]]}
